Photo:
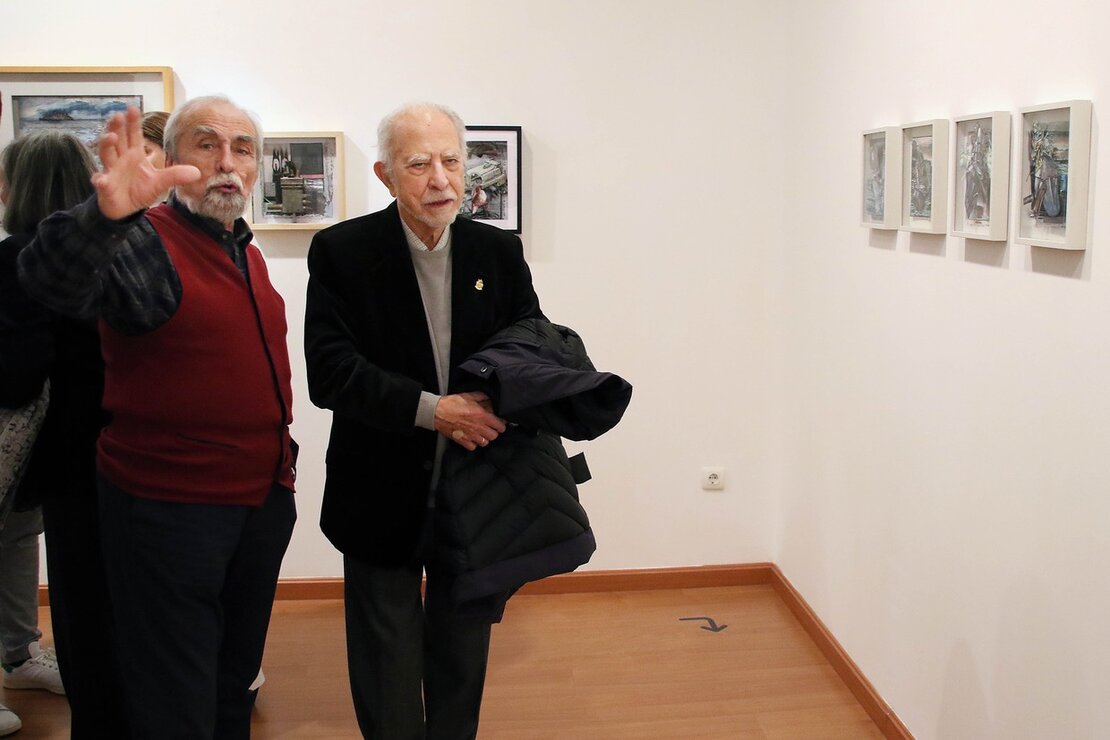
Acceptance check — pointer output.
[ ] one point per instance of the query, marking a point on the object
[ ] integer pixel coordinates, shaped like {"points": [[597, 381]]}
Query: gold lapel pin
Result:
{"points": [[479, 285]]}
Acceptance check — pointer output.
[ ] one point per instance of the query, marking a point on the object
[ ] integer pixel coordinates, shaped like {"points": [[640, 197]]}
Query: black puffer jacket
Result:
{"points": [[509, 513]]}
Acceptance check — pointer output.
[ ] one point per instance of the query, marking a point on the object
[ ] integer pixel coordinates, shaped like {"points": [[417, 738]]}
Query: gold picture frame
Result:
{"points": [[77, 98]]}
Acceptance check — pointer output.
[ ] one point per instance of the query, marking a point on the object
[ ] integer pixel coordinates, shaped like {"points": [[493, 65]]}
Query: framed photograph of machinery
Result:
{"points": [[77, 99], [493, 184], [300, 182], [925, 177], [980, 208], [882, 179], [1054, 180]]}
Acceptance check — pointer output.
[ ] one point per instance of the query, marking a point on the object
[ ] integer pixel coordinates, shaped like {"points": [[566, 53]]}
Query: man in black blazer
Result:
{"points": [[396, 300]]}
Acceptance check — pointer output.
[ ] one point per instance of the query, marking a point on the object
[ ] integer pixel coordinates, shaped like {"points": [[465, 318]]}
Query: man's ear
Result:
{"points": [[383, 175]]}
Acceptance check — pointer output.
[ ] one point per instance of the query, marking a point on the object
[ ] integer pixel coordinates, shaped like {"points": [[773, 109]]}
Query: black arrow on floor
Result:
{"points": [[713, 627]]}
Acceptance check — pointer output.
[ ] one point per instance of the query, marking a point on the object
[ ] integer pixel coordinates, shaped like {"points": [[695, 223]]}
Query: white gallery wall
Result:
{"points": [[640, 143], [946, 404], [914, 428]]}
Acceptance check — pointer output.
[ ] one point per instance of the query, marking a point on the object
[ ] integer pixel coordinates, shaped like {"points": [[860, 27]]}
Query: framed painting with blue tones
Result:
{"points": [[77, 99]]}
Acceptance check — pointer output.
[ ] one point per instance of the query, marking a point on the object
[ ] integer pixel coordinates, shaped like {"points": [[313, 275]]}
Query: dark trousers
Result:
{"points": [[81, 614], [192, 588], [396, 645]]}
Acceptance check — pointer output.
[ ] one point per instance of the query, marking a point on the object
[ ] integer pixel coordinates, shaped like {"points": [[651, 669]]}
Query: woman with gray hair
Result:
{"points": [[46, 171]]}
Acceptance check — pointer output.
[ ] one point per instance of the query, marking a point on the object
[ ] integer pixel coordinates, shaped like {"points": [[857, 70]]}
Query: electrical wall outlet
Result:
{"points": [[713, 478]]}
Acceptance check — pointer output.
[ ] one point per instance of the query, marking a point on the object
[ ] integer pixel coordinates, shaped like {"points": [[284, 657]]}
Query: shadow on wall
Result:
{"points": [[931, 244], [883, 239], [1058, 262], [988, 254], [1041, 684], [963, 705]]}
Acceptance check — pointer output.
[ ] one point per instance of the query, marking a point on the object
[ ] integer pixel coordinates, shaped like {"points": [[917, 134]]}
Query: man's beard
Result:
{"points": [[437, 223], [443, 219], [217, 205]]}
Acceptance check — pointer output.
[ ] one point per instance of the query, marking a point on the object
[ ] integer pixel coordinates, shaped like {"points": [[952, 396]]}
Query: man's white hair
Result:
{"points": [[387, 129], [178, 122]]}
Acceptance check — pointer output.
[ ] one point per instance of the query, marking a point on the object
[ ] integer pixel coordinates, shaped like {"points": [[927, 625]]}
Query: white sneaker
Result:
{"points": [[9, 721], [258, 681], [40, 671]]}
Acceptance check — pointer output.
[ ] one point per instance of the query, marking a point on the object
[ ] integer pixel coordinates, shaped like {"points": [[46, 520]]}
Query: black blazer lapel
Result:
{"points": [[468, 294]]}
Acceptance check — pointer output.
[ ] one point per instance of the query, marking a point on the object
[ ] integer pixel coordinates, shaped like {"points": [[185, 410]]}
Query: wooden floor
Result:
{"points": [[573, 666]]}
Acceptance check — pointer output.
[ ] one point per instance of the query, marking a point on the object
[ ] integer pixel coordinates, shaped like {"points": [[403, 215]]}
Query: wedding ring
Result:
{"points": [[458, 434]]}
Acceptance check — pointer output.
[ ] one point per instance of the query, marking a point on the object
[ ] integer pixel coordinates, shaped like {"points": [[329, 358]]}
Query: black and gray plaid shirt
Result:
{"points": [[84, 265]]}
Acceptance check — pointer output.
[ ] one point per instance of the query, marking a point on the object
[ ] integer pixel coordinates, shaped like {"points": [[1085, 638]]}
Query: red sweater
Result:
{"points": [[201, 406]]}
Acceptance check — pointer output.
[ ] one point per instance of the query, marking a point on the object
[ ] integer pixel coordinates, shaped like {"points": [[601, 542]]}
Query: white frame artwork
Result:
{"points": [[1070, 179], [981, 163], [881, 179], [329, 192], [925, 188]]}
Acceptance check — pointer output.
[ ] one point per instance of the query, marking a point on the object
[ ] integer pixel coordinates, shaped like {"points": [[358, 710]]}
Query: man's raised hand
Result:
{"points": [[128, 182]]}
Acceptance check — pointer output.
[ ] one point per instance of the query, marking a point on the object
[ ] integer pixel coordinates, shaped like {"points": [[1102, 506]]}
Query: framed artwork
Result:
{"points": [[1054, 181], [77, 99], [493, 188], [982, 181], [882, 179], [300, 181], [925, 177]]}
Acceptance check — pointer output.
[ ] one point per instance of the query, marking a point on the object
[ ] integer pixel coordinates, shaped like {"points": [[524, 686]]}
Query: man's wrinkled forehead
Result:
{"points": [[421, 134], [221, 119], [202, 130]]}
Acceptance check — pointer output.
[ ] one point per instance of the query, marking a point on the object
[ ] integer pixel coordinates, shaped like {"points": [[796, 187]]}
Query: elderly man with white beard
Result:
{"points": [[196, 467]]}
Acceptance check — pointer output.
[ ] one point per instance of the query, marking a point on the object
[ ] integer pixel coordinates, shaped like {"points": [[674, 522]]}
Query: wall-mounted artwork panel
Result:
{"points": [[881, 200], [300, 184], [77, 99], [981, 185], [924, 155], [1054, 180]]}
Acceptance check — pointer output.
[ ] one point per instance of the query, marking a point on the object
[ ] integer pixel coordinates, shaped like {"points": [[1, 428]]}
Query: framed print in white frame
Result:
{"points": [[1054, 179], [925, 177], [493, 185], [881, 200], [300, 182], [980, 204], [77, 99]]}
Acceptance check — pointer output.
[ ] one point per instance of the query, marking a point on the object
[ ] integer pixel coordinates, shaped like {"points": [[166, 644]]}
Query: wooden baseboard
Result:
{"points": [[651, 579], [648, 579], [881, 713], [590, 581], [309, 589]]}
